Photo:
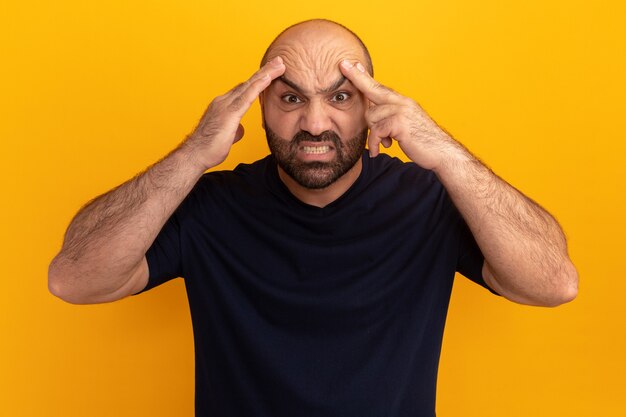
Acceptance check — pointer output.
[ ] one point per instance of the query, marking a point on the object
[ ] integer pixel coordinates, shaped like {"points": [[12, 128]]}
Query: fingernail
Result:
{"points": [[277, 62], [346, 64], [360, 67]]}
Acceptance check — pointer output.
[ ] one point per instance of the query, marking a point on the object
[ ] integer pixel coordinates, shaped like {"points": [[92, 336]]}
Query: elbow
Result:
{"points": [[567, 288], [59, 284], [571, 283], [81, 285], [55, 281], [552, 290], [58, 290], [562, 297]]}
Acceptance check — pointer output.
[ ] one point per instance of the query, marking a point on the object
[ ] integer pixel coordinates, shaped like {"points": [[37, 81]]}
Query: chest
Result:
{"points": [[336, 267]]}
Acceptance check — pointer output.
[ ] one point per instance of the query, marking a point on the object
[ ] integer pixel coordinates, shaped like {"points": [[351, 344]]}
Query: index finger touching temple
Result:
{"points": [[358, 75], [272, 70], [248, 91], [275, 67]]}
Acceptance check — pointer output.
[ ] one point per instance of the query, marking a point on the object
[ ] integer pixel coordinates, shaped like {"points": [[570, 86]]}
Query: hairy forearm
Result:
{"points": [[109, 236], [524, 247], [103, 255], [525, 251]]}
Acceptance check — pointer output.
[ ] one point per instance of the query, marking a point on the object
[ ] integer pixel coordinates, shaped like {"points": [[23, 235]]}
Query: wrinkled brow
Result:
{"points": [[334, 86]]}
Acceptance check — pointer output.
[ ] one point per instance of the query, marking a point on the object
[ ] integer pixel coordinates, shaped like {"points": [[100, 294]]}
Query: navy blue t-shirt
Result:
{"points": [[306, 311]]}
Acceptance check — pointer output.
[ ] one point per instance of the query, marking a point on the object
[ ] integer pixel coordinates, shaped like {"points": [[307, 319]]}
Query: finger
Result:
{"points": [[377, 137], [239, 133], [241, 102], [374, 141], [373, 90], [245, 94], [377, 113], [274, 68], [373, 144], [380, 133]]}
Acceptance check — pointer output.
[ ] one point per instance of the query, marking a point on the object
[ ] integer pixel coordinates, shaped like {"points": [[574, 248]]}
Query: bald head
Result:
{"points": [[315, 43], [314, 117]]}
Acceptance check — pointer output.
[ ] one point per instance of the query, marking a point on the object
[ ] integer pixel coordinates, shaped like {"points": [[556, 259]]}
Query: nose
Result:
{"points": [[315, 119]]}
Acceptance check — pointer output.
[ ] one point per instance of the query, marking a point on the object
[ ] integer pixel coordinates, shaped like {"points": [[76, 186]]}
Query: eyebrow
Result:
{"points": [[334, 86]]}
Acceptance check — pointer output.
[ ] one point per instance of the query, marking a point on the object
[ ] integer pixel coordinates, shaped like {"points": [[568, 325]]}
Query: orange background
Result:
{"points": [[93, 92]]}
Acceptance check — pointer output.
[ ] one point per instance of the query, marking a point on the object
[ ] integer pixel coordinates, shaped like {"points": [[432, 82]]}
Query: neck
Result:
{"points": [[324, 196]]}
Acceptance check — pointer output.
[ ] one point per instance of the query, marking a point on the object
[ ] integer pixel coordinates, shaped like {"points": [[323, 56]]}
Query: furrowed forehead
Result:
{"points": [[332, 87], [313, 68], [314, 42]]}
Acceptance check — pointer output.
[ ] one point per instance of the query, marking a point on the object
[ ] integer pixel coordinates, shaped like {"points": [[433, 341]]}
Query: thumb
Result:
{"points": [[239, 133]]}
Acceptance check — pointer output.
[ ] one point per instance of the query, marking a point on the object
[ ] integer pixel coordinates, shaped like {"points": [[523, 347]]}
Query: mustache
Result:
{"points": [[326, 136]]}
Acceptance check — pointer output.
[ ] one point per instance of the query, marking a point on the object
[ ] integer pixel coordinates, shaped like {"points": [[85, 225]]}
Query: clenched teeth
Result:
{"points": [[315, 149]]}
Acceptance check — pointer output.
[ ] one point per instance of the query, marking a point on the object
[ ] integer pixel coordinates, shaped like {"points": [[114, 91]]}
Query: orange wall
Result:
{"points": [[93, 92]]}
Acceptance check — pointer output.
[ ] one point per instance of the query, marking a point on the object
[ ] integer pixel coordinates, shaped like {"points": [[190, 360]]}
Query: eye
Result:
{"points": [[291, 99], [341, 97]]}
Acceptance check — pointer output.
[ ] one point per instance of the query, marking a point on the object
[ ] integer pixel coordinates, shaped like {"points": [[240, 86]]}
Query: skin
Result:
{"points": [[525, 250], [103, 255], [314, 96]]}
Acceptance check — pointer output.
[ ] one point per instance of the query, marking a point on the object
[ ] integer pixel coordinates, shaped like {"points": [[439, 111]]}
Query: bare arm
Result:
{"points": [[525, 250], [103, 254], [102, 258], [524, 246]]}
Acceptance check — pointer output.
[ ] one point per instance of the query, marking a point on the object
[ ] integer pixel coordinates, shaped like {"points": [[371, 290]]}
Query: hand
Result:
{"points": [[393, 116], [220, 126]]}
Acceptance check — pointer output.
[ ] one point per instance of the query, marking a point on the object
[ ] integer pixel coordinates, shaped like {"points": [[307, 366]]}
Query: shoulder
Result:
{"points": [[219, 188], [244, 176], [392, 171], [406, 186]]}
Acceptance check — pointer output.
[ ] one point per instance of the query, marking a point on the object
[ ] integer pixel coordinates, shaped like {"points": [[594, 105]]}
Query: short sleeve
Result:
{"points": [[471, 259], [164, 255]]}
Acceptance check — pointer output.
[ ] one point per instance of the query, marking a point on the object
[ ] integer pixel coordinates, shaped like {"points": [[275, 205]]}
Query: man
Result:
{"points": [[318, 277]]}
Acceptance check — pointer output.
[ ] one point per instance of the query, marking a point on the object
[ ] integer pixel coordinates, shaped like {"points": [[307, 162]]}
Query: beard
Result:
{"points": [[316, 174]]}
